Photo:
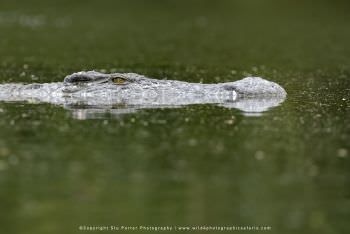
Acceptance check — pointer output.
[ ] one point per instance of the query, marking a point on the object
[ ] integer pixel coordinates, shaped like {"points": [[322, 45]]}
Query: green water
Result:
{"points": [[198, 165]]}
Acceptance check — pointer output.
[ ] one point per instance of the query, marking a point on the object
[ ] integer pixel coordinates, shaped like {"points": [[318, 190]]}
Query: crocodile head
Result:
{"points": [[96, 82]]}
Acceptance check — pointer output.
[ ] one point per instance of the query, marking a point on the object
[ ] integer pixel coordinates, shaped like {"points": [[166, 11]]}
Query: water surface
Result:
{"points": [[287, 168]]}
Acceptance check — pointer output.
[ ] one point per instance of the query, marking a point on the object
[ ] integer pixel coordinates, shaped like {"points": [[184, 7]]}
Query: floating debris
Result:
{"points": [[259, 155], [342, 153]]}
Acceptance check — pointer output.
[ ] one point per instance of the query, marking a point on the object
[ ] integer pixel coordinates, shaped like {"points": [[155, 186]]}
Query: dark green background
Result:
{"points": [[288, 169]]}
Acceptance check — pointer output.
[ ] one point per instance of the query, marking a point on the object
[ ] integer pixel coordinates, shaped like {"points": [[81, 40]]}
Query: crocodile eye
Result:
{"points": [[119, 80]]}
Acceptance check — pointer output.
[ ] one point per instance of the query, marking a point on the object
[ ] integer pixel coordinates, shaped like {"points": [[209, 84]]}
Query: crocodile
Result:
{"points": [[128, 92]]}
